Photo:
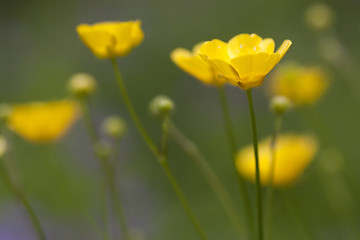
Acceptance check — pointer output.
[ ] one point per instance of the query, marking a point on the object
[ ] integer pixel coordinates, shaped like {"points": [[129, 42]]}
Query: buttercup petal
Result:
{"points": [[267, 45], [193, 64], [293, 154], [43, 122], [273, 59], [215, 49], [111, 39], [223, 69], [252, 68], [100, 41], [284, 48], [302, 85], [196, 48], [243, 44]]}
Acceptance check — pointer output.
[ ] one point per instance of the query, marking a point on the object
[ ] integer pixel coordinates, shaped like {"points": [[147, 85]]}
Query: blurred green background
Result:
{"points": [[40, 50]]}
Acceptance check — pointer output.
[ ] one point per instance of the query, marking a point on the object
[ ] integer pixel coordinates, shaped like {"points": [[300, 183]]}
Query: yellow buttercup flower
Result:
{"points": [[245, 60], [302, 85], [192, 63], [111, 39], [43, 122], [293, 153]]}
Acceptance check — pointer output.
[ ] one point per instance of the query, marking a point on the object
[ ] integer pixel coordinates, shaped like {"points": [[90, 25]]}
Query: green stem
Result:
{"points": [[108, 174], [277, 127], [161, 158], [131, 109], [23, 200], [220, 191], [233, 148], [164, 140], [183, 201], [294, 210], [227, 120], [256, 153]]}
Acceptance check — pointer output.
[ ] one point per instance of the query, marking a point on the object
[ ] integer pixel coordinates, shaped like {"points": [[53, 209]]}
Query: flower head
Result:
{"points": [[292, 154], [114, 126], [111, 39], [245, 60], [302, 85], [161, 106], [319, 16], [82, 84], [42, 122], [280, 104], [193, 64]]}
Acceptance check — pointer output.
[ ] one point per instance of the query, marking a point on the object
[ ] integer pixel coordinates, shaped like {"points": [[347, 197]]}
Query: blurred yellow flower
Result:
{"points": [[193, 64], [302, 85], [292, 155], [245, 60], [43, 122], [111, 39]]}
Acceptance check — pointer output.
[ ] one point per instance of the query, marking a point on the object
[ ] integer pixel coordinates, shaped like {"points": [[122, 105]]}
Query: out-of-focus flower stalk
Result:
{"points": [[193, 64], [279, 105], [162, 158], [338, 194], [233, 148], [294, 210], [108, 174], [221, 193], [346, 199], [18, 193]]}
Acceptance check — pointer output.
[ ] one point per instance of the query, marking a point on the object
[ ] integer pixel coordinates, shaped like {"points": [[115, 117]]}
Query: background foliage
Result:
{"points": [[40, 50]]}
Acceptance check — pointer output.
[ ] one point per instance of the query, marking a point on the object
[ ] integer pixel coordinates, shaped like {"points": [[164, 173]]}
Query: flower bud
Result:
{"points": [[3, 146], [5, 111], [82, 84], [332, 50], [161, 106], [114, 126], [280, 104], [319, 16]]}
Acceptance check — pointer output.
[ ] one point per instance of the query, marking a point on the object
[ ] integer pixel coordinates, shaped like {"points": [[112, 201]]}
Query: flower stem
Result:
{"points": [[289, 202], [227, 120], [165, 130], [220, 191], [131, 109], [256, 153], [183, 201], [23, 200], [233, 148], [161, 158], [277, 127], [108, 174]]}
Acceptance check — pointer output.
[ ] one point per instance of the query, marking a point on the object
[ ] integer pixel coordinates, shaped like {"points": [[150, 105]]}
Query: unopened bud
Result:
{"points": [[161, 106], [114, 126], [280, 104], [5, 111], [319, 16], [82, 84]]}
